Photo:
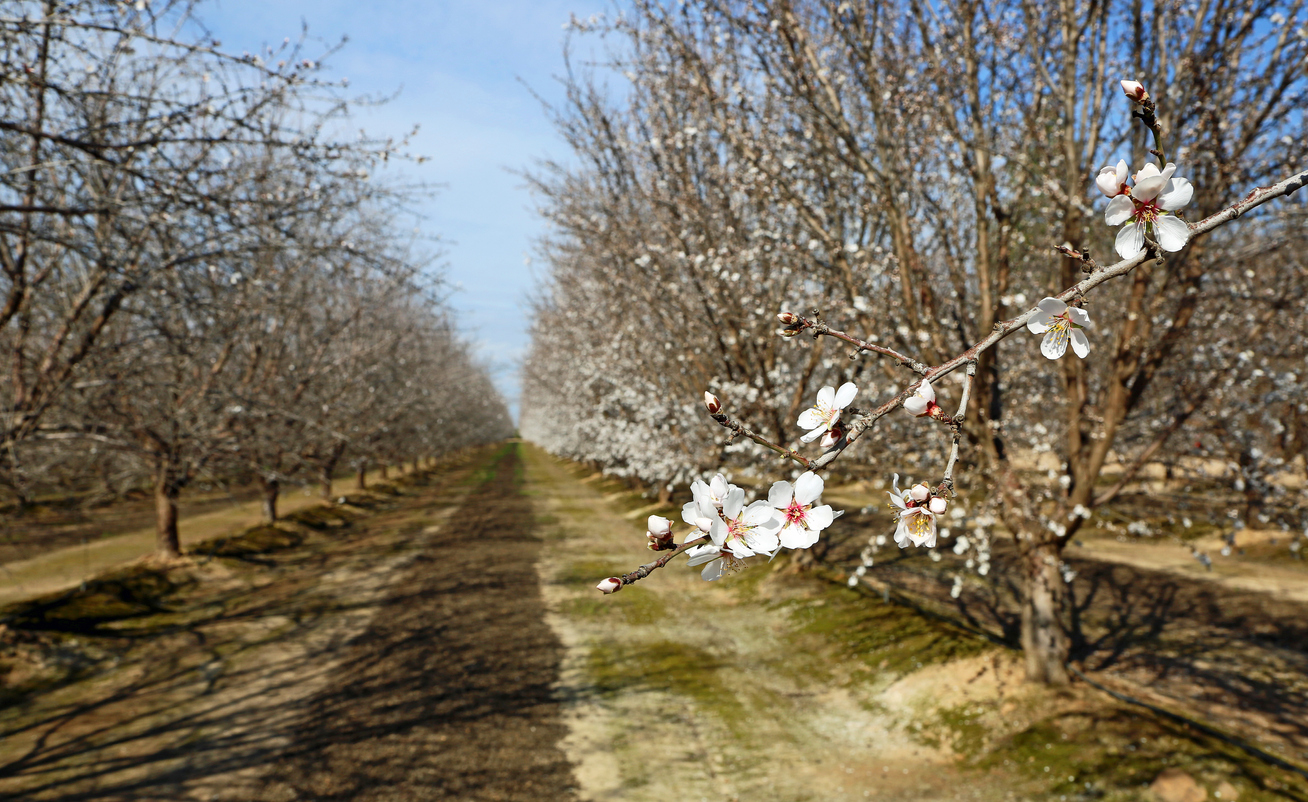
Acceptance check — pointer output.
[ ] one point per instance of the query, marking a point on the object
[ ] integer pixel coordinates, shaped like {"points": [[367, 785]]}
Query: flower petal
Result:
{"points": [[915, 405], [1054, 345], [820, 518], [1053, 306], [761, 515], [896, 498], [1172, 232], [712, 571], [826, 396], [690, 512], [733, 503], [1123, 172], [1149, 188], [1150, 170], [1107, 182], [1040, 323], [1130, 241], [813, 435], [781, 494], [1079, 316], [1080, 344], [845, 394], [718, 533], [1176, 196], [760, 541], [797, 537], [807, 488], [1119, 210], [810, 418]]}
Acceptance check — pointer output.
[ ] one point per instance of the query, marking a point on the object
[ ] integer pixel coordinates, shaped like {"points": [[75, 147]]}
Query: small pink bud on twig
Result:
{"points": [[1135, 91], [788, 318], [937, 505], [658, 525], [919, 493], [832, 437], [711, 401], [610, 585]]}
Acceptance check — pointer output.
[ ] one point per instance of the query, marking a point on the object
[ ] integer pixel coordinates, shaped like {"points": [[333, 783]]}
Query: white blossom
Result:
{"points": [[744, 532], [1147, 208], [825, 414], [1060, 324], [922, 401], [1112, 180], [917, 516], [802, 522]]}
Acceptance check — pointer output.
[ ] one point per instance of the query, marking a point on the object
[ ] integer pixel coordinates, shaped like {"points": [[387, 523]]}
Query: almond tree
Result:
{"points": [[930, 208]]}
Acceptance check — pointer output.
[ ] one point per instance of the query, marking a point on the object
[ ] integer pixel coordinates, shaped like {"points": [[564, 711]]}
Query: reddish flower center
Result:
{"points": [[796, 514]]}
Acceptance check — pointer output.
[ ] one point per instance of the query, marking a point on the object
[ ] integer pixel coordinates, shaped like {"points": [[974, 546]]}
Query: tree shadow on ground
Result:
{"points": [[445, 693]]}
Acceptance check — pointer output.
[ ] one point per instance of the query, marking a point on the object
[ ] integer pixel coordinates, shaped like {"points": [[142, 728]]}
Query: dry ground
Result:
{"points": [[443, 640]]}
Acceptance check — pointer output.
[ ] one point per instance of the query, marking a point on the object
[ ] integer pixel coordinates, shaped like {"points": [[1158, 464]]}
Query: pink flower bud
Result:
{"points": [[711, 401], [919, 493], [832, 437], [1135, 90], [937, 505], [610, 585], [788, 318], [658, 525]]}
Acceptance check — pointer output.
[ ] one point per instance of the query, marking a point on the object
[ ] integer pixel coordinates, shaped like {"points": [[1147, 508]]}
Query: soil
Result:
{"points": [[403, 656], [443, 639]]}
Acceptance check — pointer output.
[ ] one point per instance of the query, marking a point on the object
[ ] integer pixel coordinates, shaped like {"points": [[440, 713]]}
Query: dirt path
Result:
{"points": [[745, 689], [402, 657]]}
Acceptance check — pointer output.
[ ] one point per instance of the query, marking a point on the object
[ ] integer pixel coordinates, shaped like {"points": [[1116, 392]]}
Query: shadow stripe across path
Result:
{"points": [[448, 694]]}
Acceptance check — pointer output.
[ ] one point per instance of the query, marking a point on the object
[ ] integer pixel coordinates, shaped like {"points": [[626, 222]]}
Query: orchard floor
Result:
{"points": [[443, 640]]}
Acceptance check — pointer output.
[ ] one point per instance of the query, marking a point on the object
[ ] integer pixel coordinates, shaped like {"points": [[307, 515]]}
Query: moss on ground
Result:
{"points": [[885, 637], [665, 666], [1111, 752], [634, 605]]}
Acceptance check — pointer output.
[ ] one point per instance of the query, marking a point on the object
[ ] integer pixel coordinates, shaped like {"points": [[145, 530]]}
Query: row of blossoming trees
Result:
{"points": [[200, 278], [894, 179]]}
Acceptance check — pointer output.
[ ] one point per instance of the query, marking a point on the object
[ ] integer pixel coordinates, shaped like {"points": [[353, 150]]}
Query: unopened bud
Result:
{"points": [[832, 437], [711, 401], [937, 505], [658, 525], [610, 585], [919, 493], [788, 318], [787, 333], [1135, 90]]}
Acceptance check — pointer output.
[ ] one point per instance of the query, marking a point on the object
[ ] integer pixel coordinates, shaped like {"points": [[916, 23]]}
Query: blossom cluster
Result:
{"points": [[789, 518]]}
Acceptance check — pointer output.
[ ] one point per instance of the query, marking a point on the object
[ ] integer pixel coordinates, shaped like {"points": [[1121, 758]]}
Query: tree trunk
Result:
{"points": [[326, 483], [361, 477], [271, 489], [665, 494], [166, 491], [384, 474], [1044, 637]]}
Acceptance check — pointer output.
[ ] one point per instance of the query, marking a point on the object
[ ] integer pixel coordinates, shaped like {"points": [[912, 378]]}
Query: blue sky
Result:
{"points": [[460, 68]]}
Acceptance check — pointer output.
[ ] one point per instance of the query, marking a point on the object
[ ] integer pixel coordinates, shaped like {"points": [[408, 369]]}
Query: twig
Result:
{"points": [[649, 568], [738, 429], [820, 329]]}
